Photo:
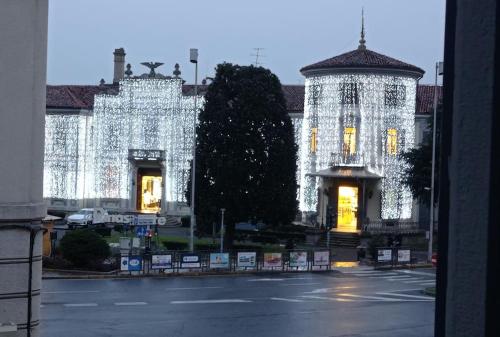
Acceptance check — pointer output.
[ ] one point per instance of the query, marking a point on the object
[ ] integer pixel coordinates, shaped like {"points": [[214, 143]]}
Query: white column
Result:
{"points": [[23, 59]]}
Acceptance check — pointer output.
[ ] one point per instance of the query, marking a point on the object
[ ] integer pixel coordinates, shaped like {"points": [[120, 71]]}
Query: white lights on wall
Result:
{"points": [[371, 104], [87, 156]]}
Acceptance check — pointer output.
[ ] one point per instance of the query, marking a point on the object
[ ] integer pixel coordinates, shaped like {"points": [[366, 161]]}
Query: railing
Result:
{"points": [[339, 159], [396, 227]]}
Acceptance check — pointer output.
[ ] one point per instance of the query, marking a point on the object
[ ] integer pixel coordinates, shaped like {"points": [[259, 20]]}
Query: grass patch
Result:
{"points": [[431, 291]]}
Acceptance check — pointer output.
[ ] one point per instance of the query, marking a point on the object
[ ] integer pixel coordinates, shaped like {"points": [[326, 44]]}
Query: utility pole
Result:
{"points": [[222, 210], [439, 71], [193, 58]]}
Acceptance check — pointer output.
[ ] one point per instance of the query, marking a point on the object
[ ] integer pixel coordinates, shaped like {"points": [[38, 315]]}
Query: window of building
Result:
{"points": [[349, 93], [395, 95], [392, 142], [349, 141], [314, 140]]}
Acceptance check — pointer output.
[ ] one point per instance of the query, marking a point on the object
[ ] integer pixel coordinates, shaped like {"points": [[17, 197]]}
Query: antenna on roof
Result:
{"points": [[257, 55], [362, 41]]}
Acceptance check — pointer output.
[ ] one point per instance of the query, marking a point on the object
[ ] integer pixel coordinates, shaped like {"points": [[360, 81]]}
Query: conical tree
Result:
{"points": [[245, 153]]}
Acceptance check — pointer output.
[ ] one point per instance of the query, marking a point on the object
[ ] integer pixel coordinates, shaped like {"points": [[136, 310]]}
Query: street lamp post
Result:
{"points": [[439, 71], [193, 58], [222, 210]]}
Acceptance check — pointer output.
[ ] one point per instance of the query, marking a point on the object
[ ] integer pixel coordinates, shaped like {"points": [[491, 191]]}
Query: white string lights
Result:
{"points": [[371, 103], [87, 156]]}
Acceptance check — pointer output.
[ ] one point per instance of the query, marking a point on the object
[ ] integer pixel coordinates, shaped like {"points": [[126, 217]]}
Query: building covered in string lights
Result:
{"points": [[127, 146], [359, 116]]}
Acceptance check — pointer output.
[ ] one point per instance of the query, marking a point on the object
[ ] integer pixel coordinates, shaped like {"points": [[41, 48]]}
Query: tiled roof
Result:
{"points": [[76, 96], [82, 96], [425, 98], [362, 58]]}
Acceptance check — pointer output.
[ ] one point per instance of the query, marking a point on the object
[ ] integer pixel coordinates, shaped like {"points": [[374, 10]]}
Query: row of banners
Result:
{"points": [[393, 255], [297, 259]]}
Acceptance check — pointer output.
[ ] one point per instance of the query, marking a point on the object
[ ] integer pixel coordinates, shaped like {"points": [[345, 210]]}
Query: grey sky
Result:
{"points": [[84, 33]]}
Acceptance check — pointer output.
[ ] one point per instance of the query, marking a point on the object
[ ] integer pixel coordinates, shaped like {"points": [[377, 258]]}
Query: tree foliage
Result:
{"points": [[417, 176], [84, 247], [245, 153]]}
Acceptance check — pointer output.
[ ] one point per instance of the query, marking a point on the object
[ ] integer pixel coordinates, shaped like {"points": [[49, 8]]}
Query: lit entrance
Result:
{"points": [[347, 218], [149, 190]]}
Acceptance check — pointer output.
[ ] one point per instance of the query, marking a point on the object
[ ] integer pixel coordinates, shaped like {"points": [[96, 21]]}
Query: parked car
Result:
{"points": [[83, 218]]}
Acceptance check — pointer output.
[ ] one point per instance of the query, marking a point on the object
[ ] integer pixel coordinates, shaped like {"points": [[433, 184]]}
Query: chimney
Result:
{"points": [[119, 65]]}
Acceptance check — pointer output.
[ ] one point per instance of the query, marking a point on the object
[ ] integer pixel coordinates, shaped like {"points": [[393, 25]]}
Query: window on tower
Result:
{"points": [[392, 142], [349, 93], [349, 147], [395, 95], [314, 139]]}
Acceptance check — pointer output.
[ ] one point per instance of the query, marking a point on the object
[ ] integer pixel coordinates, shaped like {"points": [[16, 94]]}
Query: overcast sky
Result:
{"points": [[293, 33]]}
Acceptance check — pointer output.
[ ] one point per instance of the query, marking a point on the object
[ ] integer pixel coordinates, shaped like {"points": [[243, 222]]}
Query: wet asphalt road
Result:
{"points": [[354, 303]]}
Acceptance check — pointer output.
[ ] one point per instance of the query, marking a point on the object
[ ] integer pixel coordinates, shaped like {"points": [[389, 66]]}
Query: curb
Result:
{"points": [[174, 274]]}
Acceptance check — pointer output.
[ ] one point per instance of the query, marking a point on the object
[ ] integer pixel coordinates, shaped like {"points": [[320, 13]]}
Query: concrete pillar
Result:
{"points": [[119, 65], [23, 59], [469, 205]]}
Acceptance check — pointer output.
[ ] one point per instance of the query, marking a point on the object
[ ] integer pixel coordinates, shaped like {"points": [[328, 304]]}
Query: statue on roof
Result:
{"points": [[152, 66]]}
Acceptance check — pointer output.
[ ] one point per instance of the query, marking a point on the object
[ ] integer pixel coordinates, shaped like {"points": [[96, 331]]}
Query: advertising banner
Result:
{"points": [[131, 263], [384, 255], [219, 260], [321, 258], [272, 260], [190, 261], [298, 259], [247, 259], [404, 255], [161, 261]]}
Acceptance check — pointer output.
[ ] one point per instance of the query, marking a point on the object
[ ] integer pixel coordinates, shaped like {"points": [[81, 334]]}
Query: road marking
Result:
{"points": [[285, 299], [332, 299], [428, 283], [80, 305], [400, 279], [409, 296], [193, 288], [417, 273], [385, 299], [211, 301], [130, 303], [417, 280], [298, 284], [265, 279], [70, 292], [384, 275], [298, 278]]}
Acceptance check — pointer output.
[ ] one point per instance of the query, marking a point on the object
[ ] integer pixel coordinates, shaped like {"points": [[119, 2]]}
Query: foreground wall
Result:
{"points": [[23, 37]]}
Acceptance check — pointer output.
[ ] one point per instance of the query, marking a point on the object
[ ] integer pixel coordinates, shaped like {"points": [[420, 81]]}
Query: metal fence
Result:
{"points": [[177, 262]]}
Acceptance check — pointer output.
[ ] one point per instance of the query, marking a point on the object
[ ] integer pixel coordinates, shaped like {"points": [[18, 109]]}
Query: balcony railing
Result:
{"points": [[396, 227], [341, 159]]}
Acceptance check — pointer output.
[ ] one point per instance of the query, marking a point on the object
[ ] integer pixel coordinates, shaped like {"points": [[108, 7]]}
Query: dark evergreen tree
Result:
{"points": [[245, 153], [418, 174]]}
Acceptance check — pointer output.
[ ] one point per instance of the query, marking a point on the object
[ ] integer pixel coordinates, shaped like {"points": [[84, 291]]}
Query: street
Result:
{"points": [[355, 302]]}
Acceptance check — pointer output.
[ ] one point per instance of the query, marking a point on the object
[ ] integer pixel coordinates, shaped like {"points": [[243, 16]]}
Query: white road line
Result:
{"points": [[417, 280], [298, 284], [130, 303], [234, 300], [385, 299], [385, 275], [285, 299], [70, 292], [417, 273], [193, 288], [409, 296], [80, 305], [265, 279], [399, 277], [298, 278], [330, 298], [427, 283]]}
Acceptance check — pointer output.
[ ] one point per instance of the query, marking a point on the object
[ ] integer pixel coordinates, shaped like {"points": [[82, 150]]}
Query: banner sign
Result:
{"points": [[384, 255], [298, 259], [219, 260], [404, 255], [190, 261], [131, 263], [272, 260], [321, 258], [247, 259], [161, 261]]}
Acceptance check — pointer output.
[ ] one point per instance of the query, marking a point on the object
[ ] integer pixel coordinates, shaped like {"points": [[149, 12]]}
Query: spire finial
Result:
{"points": [[362, 41]]}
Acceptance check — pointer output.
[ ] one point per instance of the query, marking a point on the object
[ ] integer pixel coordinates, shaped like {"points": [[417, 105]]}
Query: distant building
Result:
{"points": [[127, 146]]}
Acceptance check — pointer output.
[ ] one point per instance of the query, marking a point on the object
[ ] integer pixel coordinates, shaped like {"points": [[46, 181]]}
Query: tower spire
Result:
{"points": [[362, 41]]}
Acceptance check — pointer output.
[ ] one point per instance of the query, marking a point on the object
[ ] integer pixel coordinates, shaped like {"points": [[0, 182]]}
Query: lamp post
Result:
{"points": [[439, 71], [193, 58], [222, 210]]}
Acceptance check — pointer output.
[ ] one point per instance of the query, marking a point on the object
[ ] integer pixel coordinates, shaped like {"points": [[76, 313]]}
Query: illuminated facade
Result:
{"points": [[359, 116]]}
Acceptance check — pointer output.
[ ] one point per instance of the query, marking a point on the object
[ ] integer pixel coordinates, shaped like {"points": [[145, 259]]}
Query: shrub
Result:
{"points": [[175, 245], [84, 247], [375, 242], [186, 221]]}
